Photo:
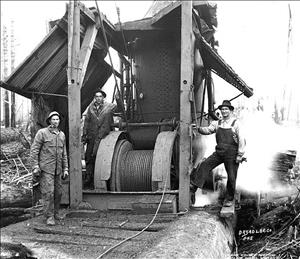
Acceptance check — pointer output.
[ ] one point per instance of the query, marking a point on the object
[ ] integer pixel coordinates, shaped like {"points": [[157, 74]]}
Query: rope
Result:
{"points": [[143, 230]]}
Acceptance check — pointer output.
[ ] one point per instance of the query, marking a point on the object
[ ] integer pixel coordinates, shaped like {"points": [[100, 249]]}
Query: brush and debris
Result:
{"points": [[15, 175], [275, 230]]}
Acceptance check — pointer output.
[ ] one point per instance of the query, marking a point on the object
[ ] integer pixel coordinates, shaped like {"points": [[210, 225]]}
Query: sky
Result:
{"points": [[253, 38]]}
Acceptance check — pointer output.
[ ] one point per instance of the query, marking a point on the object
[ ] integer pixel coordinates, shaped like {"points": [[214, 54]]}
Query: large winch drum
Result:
{"points": [[120, 168]]}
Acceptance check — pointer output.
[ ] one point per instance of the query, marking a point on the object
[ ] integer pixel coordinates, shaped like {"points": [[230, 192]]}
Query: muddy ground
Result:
{"points": [[197, 234]]}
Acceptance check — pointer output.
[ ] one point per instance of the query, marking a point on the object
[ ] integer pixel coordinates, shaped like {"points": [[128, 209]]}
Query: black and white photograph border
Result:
{"points": [[175, 79]]}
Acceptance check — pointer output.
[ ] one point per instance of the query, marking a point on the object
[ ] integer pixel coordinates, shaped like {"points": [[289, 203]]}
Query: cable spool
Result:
{"points": [[135, 174], [131, 169]]}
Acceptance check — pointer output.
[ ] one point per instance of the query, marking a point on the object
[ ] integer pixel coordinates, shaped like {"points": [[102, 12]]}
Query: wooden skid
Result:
{"points": [[138, 202], [227, 211]]}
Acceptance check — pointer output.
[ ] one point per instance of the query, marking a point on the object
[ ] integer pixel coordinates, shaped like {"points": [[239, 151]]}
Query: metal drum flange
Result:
{"points": [[162, 157], [121, 149], [104, 157]]}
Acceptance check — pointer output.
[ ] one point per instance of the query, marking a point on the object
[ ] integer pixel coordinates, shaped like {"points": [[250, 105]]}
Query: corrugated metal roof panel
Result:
{"points": [[53, 67], [37, 60], [45, 69]]}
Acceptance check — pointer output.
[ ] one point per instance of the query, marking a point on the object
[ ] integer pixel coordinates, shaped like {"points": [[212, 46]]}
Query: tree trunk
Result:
{"points": [[14, 196]]}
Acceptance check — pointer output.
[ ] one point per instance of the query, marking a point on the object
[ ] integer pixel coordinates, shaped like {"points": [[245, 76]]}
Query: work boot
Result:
{"points": [[193, 189], [59, 216], [50, 221]]}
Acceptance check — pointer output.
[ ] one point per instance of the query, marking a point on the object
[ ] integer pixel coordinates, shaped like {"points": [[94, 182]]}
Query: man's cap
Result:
{"points": [[51, 114], [102, 92], [226, 103]]}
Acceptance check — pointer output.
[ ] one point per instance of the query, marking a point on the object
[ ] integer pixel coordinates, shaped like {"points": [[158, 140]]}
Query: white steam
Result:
{"points": [[264, 139]]}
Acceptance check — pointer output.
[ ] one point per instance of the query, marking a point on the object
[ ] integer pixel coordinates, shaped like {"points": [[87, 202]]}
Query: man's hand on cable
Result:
{"points": [[65, 175]]}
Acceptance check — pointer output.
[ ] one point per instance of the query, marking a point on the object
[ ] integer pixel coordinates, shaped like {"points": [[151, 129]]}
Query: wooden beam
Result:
{"points": [[63, 25], [165, 11], [140, 25], [91, 16], [185, 106], [87, 13], [86, 50], [74, 104]]}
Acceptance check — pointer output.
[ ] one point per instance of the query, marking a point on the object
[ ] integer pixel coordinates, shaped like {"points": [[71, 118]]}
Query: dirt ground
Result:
{"points": [[197, 234]]}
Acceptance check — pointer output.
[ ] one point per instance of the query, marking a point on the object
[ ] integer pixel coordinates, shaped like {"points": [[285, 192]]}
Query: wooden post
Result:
{"points": [[78, 59], [185, 105], [74, 105]]}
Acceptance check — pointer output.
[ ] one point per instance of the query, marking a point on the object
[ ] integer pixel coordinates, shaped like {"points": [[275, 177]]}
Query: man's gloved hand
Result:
{"points": [[239, 159], [36, 171], [65, 175], [36, 176], [83, 139]]}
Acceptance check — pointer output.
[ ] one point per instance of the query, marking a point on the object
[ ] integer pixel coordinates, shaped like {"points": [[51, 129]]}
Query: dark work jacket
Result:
{"points": [[97, 124], [48, 151]]}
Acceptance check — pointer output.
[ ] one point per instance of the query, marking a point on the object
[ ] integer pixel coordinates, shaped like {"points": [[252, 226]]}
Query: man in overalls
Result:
{"points": [[230, 150], [50, 164]]}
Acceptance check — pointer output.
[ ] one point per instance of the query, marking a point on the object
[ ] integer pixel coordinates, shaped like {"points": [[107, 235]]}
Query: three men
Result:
{"points": [[97, 124], [50, 163], [229, 150]]}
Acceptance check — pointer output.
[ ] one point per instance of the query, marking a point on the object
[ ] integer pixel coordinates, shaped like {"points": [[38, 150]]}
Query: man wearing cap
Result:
{"points": [[97, 124], [49, 161], [229, 150]]}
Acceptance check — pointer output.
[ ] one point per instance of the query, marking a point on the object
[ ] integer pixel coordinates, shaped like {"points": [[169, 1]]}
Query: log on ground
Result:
{"points": [[15, 196]]}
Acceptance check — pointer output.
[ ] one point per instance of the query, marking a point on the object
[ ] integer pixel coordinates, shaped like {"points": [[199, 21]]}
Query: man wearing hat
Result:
{"points": [[49, 162], [97, 124], [229, 150]]}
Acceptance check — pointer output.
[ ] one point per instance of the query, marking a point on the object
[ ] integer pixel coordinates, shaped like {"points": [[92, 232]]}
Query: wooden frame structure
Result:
{"points": [[77, 63], [82, 54]]}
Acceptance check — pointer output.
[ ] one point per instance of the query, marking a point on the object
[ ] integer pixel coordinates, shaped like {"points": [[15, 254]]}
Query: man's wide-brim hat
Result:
{"points": [[102, 92], [226, 103], [51, 114]]}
